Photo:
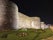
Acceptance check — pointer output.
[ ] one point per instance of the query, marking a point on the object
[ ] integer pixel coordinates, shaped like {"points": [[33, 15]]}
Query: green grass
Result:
{"points": [[32, 34]]}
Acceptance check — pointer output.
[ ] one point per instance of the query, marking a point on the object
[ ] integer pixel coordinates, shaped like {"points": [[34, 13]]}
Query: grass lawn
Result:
{"points": [[30, 34]]}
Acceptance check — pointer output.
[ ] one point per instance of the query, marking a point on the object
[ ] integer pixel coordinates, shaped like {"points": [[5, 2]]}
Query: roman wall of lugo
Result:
{"points": [[31, 22], [11, 17], [42, 25], [8, 15], [51, 27], [35, 22], [24, 21]]}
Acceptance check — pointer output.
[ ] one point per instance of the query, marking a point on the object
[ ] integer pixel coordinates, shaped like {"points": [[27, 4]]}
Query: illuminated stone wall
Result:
{"points": [[51, 27], [31, 22], [35, 22], [24, 21], [11, 18], [8, 15], [42, 25], [3, 5], [28, 22]]}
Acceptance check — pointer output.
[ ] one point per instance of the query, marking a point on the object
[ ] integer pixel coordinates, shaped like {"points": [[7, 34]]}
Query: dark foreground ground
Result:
{"points": [[29, 34]]}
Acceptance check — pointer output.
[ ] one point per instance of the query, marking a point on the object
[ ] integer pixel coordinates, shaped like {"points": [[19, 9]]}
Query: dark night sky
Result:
{"points": [[41, 8]]}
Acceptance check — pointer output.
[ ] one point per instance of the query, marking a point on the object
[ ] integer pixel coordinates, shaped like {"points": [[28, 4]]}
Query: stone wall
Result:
{"points": [[11, 18], [8, 14], [51, 27], [35, 22], [31, 22], [24, 21], [28, 22], [42, 25]]}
